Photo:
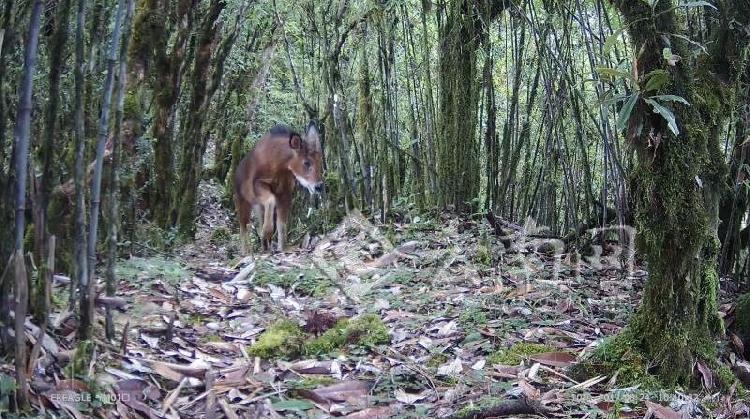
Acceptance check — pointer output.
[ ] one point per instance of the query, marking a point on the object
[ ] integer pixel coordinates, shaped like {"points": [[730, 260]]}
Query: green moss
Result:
{"points": [[306, 281], [517, 353], [132, 106], [79, 364], [483, 256], [472, 410], [137, 268], [309, 383], [211, 338], [617, 355], [437, 360], [366, 331], [472, 315], [282, 340], [220, 235]]}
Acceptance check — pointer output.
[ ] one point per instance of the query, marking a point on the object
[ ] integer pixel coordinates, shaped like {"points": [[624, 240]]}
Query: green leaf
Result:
{"points": [[671, 98], [609, 98], [665, 113], [609, 43], [293, 404], [624, 115], [698, 4], [613, 73], [656, 79]]}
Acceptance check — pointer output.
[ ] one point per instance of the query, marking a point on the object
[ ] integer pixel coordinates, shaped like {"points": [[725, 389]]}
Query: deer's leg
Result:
{"points": [[268, 209], [243, 216], [282, 216]]}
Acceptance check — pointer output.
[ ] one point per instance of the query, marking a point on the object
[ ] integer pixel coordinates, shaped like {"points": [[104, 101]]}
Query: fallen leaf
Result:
{"points": [[707, 376], [658, 411], [408, 398], [344, 391], [381, 412], [452, 369], [554, 359]]}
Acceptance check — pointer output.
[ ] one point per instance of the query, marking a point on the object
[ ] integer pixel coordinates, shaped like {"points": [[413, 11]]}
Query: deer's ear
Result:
{"points": [[312, 137], [295, 142]]}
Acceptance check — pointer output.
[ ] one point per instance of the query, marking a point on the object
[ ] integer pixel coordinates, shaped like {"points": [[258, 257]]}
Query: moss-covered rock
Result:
{"points": [[619, 356], [517, 353], [366, 331], [282, 340]]}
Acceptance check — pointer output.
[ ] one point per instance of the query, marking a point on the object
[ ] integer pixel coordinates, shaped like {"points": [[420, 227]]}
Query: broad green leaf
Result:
{"points": [[624, 115], [609, 98], [613, 73], [665, 113], [611, 40], [293, 404], [656, 79], [670, 98]]}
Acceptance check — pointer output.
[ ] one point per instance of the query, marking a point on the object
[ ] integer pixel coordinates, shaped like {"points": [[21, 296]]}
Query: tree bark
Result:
{"points": [[676, 188], [193, 142], [458, 149]]}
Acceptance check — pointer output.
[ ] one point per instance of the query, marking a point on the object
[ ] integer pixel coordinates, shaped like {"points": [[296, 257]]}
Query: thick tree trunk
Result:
{"points": [[193, 142], [166, 76], [458, 148], [676, 188]]}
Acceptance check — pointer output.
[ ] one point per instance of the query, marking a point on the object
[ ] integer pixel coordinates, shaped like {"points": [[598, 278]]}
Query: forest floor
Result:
{"points": [[444, 319]]}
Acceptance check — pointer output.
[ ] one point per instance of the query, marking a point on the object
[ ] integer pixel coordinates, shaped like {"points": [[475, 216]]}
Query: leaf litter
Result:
{"points": [[468, 323]]}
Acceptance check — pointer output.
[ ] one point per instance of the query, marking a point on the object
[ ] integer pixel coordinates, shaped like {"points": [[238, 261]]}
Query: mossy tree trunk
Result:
{"points": [[165, 77], [458, 148], [193, 144], [675, 186]]}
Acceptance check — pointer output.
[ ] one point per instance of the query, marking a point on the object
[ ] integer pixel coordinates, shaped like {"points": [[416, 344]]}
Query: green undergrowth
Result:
{"points": [[310, 383], [221, 235], [137, 268], [305, 281], [472, 316], [618, 355], [286, 339], [517, 353]]}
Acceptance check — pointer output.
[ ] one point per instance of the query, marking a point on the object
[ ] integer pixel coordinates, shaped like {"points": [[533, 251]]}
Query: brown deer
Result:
{"points": [[265, 179]]}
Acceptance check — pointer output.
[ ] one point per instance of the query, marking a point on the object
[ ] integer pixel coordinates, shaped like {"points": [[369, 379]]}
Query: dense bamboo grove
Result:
{"points": [[577, 114]]}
